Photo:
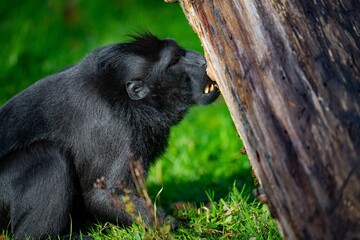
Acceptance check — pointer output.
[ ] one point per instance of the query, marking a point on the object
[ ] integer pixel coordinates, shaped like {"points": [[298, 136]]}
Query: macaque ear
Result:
{"points": [[137, 89]]}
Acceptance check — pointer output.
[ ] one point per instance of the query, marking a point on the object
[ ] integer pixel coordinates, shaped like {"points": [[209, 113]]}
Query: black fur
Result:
{"points": [[67, 130]]}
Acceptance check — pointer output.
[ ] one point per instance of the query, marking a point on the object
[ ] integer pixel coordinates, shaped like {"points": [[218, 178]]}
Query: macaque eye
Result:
{"points": [[176, 58]]}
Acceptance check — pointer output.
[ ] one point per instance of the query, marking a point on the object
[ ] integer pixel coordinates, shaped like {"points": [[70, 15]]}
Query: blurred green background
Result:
{"points": [[38, 38]]}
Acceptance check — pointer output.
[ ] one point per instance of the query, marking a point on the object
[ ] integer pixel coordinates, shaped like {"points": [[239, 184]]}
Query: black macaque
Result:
{"points": [[86, 122]]}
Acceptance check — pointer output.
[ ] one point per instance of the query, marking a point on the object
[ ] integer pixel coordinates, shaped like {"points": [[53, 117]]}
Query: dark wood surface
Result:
{"points": [[290, 74]]}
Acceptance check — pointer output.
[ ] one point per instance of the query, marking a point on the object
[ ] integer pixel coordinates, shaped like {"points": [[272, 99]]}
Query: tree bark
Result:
{"points": [[290, 74]]}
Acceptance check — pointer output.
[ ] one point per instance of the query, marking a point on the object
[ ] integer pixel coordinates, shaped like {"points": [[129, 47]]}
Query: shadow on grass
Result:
{"points": [[196, 192]]}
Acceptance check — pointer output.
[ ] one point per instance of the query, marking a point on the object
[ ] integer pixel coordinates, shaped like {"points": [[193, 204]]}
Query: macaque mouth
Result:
{"points": [[210, 86]]}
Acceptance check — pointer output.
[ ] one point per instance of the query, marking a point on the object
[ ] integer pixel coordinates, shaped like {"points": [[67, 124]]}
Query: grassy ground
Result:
{"points": [[203, 164]]}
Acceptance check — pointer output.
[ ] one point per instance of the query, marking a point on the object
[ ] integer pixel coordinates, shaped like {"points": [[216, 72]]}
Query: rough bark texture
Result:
{"points": [[290, 74]]}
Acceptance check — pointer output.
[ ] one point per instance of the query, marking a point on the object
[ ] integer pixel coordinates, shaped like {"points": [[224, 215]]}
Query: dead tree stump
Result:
{"points": [[290, 74]]}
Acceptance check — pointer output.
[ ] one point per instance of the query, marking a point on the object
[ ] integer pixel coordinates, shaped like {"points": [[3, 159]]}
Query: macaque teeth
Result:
{"points": [[211, 87], [206, 90]]}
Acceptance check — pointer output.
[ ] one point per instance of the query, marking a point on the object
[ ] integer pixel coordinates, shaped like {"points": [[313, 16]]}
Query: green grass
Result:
{"points": [[232, 217], [202, 166]]}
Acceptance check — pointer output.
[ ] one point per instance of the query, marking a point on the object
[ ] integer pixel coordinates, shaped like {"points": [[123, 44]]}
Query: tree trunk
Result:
{"points": [[290, 74]]}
